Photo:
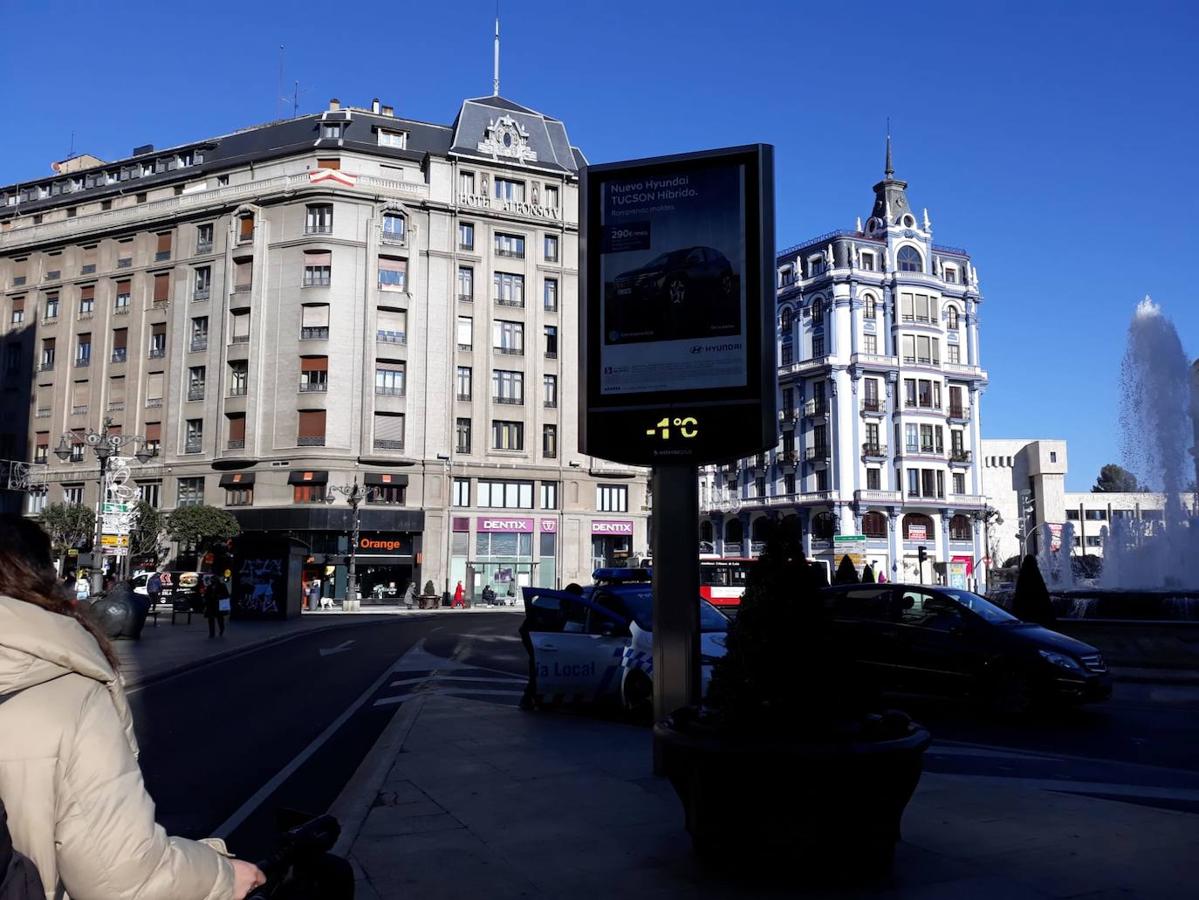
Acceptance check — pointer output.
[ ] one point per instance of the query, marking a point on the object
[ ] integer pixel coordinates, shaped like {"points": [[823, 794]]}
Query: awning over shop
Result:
{"points": [[237, 479], [372, 479], [305, 476]]}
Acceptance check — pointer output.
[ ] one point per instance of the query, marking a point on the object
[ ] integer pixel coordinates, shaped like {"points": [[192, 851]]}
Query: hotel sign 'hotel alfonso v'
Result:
{"points": [[346, 294]]}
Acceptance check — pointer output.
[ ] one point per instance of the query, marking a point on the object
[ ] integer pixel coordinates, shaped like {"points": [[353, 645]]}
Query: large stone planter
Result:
{"points": [[831, 807]]}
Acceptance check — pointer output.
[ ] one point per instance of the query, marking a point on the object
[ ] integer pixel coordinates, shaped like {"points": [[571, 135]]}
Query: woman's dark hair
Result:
{"points": [[27, 573]]}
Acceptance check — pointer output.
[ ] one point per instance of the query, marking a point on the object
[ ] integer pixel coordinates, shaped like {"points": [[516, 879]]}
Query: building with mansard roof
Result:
{"points": [[880, 381], [348, 295]]}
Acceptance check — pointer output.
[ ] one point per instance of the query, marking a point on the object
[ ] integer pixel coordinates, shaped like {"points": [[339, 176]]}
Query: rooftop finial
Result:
{"points": [[495, 79], [890, 169]]}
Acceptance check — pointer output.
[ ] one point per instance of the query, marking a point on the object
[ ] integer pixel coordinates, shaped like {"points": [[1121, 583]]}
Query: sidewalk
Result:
{"points": [[165, 648], [468, 798]]}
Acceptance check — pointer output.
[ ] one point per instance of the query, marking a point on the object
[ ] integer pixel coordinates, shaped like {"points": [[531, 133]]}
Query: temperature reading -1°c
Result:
{"points": [[688, 427]]}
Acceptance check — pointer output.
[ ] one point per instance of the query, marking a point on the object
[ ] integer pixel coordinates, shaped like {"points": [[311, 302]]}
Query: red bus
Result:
{"points": [[722, 580]]}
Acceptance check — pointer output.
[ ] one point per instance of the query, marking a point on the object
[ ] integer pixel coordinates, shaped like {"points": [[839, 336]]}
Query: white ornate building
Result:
{"points": [[879, 388]]}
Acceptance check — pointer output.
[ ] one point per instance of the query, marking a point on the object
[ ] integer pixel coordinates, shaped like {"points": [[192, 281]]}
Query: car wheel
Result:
{"points": [[637, 697], [1010, 692], [676, 290]]}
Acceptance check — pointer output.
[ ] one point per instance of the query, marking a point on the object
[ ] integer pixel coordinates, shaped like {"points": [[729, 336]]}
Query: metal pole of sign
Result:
{"points": [[676, 589]]}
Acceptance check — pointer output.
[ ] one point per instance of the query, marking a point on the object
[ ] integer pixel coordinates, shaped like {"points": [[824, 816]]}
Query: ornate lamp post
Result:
{"points": [[105, 445], [986, 516], [354, 494]]}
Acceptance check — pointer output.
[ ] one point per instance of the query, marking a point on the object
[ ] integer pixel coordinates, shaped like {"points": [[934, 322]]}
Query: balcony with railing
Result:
{"points": [[238, 390], [510, 351], [388, 444], [311, 440], [232, 444], [872, 450], [788, 417], [314, 228], [120, 354], [193, 445], [958, 413], [195, 392], [389, 390], [200, 294], [509, 401], [239, 339], [203, 247], [510, 302], [391, 337], [157, 352], [815, 409], [199, 343], [817, 453], [874, 406], [959, 457], [313, 387], [788, 459], [244, 288], [314, 333], [874, 496], [46, 366], [466, 298], [43, 412], [153, 402], [82, 362]]}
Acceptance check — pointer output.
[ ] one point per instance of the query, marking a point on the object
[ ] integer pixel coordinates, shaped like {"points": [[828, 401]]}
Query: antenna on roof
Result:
{"points": [[495, 79], [279, 98], [71, 152], [295, 101]]}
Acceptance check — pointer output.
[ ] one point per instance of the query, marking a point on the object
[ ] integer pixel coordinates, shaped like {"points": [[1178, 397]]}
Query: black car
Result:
{"points": [[686, 293], [940, 640]]}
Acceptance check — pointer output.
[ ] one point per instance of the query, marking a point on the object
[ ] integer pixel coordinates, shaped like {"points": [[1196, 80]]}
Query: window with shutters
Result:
{"points": [[318, 268], [158, 340], [319, 219], [196, 378], [314, 375], [243, 275], [116, 393], [193, 439], [235, 427], [153, 434], [239, 374], [507, 435], [239, 333], [393, 273], [87, 301], [245, 229], [462, 431], [120, 345], [465, 332], [203, 283], [311, 432], [163, 249], [464, 387], [124, 292], [199, 335], [162, 288], [52, 305], [155, 384], [389, 431], [314, 322], [80, 392], [41, 447], [391, 326], [204, 238], [83, 350], [18, 311], [466, 283], [390, 379]]}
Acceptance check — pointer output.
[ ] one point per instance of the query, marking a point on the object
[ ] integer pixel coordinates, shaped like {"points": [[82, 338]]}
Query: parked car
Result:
{"points": [[597, 647], [947, 641]]}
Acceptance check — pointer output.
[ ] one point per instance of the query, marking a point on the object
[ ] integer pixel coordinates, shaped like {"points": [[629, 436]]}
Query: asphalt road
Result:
{"points": [[287, 725]]}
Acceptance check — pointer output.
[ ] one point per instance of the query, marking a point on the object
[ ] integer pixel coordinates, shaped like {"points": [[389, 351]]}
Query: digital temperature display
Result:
{"points": [[686, 426]]}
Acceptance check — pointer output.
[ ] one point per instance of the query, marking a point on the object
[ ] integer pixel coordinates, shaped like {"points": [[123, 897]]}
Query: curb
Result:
{"points": [[354, 802], [225, 655]]}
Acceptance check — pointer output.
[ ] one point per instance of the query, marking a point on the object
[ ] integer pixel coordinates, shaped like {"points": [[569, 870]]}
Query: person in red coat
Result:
{"points": [[459, 596]]}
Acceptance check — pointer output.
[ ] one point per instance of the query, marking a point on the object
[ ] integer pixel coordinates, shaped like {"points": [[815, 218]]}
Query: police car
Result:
{"points": [[596, 646]]}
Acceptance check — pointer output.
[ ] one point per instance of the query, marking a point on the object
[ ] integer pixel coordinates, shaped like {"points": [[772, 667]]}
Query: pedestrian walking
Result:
{"points": [[216, 605], [83, 590], [154, 588], [76, 803], [459, 596]]}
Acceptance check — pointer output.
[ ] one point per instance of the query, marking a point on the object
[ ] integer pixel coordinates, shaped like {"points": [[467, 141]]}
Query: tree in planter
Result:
{"points": [[145, 537], [200, 527], [868, 574], [846, 573], [1031, 602], [69, 526], [430, 588]]}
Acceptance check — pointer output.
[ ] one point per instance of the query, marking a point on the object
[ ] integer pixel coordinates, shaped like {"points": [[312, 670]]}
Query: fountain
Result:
{"points": [[1150, 568]]}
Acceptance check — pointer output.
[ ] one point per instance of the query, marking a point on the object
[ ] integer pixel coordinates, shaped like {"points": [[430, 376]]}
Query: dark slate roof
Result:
{"points": [[546, 135]]}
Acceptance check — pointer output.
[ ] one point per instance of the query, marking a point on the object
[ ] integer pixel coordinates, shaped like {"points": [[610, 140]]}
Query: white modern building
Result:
{"points": [[880, 381]]}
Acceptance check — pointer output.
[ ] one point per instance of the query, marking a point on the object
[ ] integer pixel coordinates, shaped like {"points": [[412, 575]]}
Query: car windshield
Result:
{"points": [[640, 605], [979, 606], [658, 261]]}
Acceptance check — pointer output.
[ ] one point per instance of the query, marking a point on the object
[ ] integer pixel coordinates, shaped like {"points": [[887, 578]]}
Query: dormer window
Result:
{"points": [[397, 139], [951, 274], [786, 276], [867, 261], [909, 260], [331, 131], [815, 265]]}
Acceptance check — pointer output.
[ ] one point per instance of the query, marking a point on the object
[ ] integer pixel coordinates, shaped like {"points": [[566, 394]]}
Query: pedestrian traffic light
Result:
{"points": [[921, 554]]}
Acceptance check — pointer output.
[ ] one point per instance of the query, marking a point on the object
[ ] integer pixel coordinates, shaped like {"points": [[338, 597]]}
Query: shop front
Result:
{"points": [[386, 567], [508, 553], [611, 542]]}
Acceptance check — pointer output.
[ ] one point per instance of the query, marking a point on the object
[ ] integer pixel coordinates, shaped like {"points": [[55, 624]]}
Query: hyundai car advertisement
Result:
{"points": [[672, 259]]}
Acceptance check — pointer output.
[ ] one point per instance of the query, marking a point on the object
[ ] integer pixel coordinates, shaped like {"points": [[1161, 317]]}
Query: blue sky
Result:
{"points": [[1056, 141]]}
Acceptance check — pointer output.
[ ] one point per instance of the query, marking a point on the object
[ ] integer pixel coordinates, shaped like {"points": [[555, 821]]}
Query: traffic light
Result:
{"points": [[921, 554]]}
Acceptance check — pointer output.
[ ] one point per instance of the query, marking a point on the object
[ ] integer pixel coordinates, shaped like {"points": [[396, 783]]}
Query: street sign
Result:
{"points": [[848, 539], [115, 508], [676, 333], [114, 541]]}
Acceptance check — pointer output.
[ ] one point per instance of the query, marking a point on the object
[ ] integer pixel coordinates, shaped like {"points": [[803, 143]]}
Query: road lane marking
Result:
{"points": [[447, 692], [340, 648]]}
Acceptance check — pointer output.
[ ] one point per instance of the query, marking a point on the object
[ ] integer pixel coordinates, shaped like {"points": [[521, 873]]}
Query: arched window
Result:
{"points": [[817, 312], [910, 260], [823, 526], [733, 532], [923, 527], [705, 531], [951, 318], [785, 322], [874, 524], [960, 530], [871, 307]]}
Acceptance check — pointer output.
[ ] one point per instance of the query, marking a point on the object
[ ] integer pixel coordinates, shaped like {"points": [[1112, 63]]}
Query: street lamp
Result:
{"points": [[104, 444], [354, 494]]}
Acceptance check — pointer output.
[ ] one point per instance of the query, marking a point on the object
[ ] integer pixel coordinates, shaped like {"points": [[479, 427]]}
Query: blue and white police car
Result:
{"points": [[596, 645]]}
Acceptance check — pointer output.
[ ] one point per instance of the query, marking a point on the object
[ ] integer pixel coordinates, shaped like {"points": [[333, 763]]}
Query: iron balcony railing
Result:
{"points": [[874, 449], [158, 352], [516, 304], [313, 440], [314, 387], [200, 294], [236, 445], [872, 405], [318, 229], [388, 444], [195, 392], [203, 247], [120, 354], [314, 333], [391, 337], [193, 445], [510, 401], [382, 390], [199, 343], [237, 390]]}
